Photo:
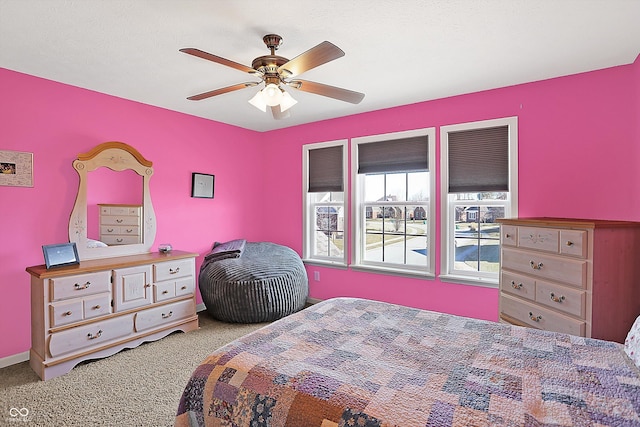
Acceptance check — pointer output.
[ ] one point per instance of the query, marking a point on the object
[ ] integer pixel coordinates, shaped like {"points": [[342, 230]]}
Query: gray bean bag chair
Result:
{"points": [[251, 282]]}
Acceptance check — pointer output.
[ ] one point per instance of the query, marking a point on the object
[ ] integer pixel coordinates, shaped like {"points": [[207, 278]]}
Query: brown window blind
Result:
{"points": [[479, 160], [397, 155], [325, 169]]}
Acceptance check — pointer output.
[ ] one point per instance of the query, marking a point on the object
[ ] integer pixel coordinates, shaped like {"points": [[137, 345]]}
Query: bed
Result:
{"points": [[356, 362]]}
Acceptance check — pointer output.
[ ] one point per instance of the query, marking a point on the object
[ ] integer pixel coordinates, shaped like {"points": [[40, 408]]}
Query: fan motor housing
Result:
{"points": [[268, 64]]}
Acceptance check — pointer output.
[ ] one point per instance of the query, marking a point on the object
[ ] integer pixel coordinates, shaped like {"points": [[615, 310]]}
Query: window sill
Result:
{"points": [[466, 280], [321, 263], [415, 274]]}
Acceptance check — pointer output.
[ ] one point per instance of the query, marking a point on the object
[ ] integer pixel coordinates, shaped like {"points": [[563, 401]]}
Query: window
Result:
{"points": [[324, 172], [479, 184], [393, 203]]}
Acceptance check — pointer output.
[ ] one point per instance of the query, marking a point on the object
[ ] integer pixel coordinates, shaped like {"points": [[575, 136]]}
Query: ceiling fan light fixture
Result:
{"points": [[287, 101], [258, 102], [272, 95]]}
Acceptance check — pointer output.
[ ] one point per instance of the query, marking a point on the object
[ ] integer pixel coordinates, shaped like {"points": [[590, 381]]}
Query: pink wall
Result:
{"points": [[578, 157], [579, 143], [55, 122]]}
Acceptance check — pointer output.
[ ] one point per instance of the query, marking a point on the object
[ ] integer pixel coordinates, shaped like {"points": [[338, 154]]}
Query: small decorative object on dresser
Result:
{"points": [[570, 275], [100, 307]]}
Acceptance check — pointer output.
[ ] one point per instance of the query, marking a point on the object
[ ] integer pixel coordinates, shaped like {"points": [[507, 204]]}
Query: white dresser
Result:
{"points": [[105, 305], [120, 224], [570, 275]]}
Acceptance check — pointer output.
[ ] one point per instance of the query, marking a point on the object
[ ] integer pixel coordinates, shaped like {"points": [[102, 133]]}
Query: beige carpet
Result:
{"points": [[137, 387]]}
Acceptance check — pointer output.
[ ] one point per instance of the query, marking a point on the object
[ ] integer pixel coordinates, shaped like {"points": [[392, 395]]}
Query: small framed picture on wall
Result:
{"points": [[202, 185]]}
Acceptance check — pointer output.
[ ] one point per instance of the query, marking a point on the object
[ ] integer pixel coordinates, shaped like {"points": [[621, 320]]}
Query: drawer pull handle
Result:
{"points": [[119, 221], [93, 337], [96, 307], [81, 287], [166, 316], [129, 230], [559, 299], [165, 292], [147, 285], [109, 230], [516, 286], [534, 318], [569, 243], [67, 313], [119, 240], [183, 288], [507, 236], [535, 266], [172, 271]]}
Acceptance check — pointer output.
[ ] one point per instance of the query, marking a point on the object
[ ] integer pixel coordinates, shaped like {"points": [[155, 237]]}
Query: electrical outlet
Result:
{"points": [[316, 276]]}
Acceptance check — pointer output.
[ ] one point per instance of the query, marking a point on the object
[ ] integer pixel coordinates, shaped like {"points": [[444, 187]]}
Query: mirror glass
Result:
{"points": [[110, 188], [113, 214]]}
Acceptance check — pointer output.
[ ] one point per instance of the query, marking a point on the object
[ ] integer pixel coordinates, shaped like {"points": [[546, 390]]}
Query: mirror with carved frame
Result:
{"points": [[118, 157]]}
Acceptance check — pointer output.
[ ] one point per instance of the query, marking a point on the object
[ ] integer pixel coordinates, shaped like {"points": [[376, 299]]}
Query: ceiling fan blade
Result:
{"points": [[221, 91], [205, 55], [278, 114], [318, 55], [326, 90]]}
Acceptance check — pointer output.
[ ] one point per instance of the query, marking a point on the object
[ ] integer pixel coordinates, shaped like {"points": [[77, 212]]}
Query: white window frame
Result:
{"points": [[447, 217], [308, 207], [358, 214]]}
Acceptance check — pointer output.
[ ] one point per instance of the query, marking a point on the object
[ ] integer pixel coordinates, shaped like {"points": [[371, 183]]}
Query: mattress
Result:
{"points": [[355, 362]]}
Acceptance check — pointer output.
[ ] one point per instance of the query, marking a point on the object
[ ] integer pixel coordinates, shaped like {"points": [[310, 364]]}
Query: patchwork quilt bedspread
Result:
{"points": [[355, 362]]}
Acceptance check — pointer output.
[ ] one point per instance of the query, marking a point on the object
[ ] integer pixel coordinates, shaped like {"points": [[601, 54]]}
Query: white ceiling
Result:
{"points": [[397, 51]]}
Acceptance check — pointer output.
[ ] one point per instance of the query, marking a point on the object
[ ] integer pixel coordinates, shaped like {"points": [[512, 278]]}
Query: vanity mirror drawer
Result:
{"points": [[164, 291], [509, 235], [90, 335], [539, 317], [147, 319], [171, 270], [522, 286], [65, 312], [120, 240], [120, 220], [80, 285], [560, 269], [540, 239], [571, 301]]}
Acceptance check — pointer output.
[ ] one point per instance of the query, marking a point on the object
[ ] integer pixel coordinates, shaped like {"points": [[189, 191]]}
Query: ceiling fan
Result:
{"points": [[276, 71]]}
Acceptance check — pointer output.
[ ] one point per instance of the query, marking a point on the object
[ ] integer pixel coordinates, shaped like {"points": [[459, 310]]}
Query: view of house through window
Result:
{"points": [[328, 238], [477, 235], [396, 215]]}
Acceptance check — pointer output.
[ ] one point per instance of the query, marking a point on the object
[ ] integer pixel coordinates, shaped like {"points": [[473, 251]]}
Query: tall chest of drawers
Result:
{"points": [[120, 224], [103, 306], [570, 275]]}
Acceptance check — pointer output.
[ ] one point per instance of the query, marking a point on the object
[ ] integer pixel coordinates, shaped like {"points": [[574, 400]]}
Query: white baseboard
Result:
{"points": [[313, 300], [15, 359]]}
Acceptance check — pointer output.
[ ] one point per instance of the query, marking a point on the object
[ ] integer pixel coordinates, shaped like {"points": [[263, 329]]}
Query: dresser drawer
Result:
{"points": [[171, 270], [120, 210], [540, 239], [119, 220], [185, 286], [97, 305], [509, 235], [120, 229], [573, 243], [571, 301], [164, 291], [522, 286], [158, 316], [65, 312], [90, 335], [561, 269], [540, 317], [80, 285]]}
